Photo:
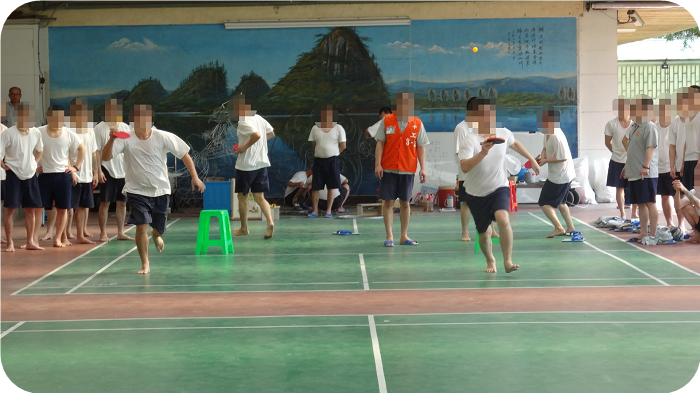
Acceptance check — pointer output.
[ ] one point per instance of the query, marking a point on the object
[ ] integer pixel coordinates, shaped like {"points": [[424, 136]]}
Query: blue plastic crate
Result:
{"points": [[217, 196]]}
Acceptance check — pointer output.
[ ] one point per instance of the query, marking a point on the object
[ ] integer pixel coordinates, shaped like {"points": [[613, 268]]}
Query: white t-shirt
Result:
{"points": [[145, 162], [323, 194], [490, 174], [88, 140], [461, 131], [18, 151], [2, 171], [373, 128], [557, 147], [255, 157], [57, 150], [676, 137], [617, 132], [664, 137], [115, 166], [327, 142], [692, 139], [297, 178]]}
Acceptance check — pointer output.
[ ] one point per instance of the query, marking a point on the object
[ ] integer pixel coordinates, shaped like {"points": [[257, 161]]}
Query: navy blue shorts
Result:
{"points": [[22, 193], [484, 208], [255, 181], [111, 189], [81, 196], [326, 173], [2, 190], [56, 188], [665, 184], [614, 172], [554, 194], [148, 210], [462, 194], [643, 190], [688, 179], [394, 185]]}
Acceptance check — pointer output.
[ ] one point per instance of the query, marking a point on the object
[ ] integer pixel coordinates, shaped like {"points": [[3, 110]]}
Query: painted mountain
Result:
{"points": [[200, 91]]}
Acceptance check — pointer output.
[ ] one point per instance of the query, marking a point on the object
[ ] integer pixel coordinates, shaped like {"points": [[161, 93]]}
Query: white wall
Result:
{"points": [[20, 64], [597, 82]]}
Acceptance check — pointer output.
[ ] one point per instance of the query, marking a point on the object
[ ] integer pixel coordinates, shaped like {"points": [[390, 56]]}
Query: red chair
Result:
{"points": [[513, 199]]}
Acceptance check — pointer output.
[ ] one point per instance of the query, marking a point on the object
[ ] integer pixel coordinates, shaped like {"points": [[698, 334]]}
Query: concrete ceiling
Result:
{"points": [[657, 22]]}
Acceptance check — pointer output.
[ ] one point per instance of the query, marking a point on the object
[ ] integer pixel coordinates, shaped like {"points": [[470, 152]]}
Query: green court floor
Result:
{"points": [[305, 256], [613, 352]]}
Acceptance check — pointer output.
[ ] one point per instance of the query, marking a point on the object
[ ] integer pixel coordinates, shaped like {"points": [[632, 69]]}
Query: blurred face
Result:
{"points": [[327, 120], [694, 103], [682, 107], [25, 117], [548, 123], [240, 109], [15, 96], [641, 112], [486, 117], [55, 118], [79, 114], [113, 111], [3, 109], [404, 105], [143, 118], [622, 106], [665, 110]]}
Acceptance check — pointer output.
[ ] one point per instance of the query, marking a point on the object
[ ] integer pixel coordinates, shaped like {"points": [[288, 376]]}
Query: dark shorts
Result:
{"points": [[81, 196], [255, 181], [394, 185], [56, 188], [554, 194], [484, 208], [111, 189], [462, 193], [326, 173], [323, 204], [22, 193], [643, 190], [689, 174], [148, 210], [2, 190], [614, 172], [665, 184]]}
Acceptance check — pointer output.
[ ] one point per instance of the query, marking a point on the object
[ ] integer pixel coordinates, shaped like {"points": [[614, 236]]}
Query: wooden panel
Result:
{"points": [[656, 23]]}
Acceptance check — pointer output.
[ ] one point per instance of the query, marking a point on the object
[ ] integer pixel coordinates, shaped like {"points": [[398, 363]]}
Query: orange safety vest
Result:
{"points": [[400, 148]]}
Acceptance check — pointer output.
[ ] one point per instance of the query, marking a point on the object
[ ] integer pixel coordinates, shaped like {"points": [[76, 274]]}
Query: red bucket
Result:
{"points": [[443, 193]]}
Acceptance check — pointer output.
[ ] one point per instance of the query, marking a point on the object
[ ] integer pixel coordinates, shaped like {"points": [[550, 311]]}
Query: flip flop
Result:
{"points": [[389, 243], [574, 239], [329, 215], [409, 242], [572, 233], [633, 240], [342, 211], [298, 208], [311, 215], [344, 232]]}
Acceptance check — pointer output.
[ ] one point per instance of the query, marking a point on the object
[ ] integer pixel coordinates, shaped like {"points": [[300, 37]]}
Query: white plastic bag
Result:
{"points": [[603, 193], [585, 191]]}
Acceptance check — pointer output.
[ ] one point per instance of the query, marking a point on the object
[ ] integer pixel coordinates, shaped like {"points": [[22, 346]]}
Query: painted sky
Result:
{"points": [[101, 60]]}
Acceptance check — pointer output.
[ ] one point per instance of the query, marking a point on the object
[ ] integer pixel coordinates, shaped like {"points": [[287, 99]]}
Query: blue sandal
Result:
{"points": [[633, 240], [329, 215], [311, 215], [389, 243], [409, 242]]}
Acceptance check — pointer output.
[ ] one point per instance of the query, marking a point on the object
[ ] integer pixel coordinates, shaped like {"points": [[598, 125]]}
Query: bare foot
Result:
{"points": [[510, 267], [490, 267], [33, 247], [59, 244], [48, 236], [556, 232], [495, 235], [241, 232], [465, 237], [3, 241], [145, 269], [270, 231], [87, 234], [70, 235], [82, 240], [158, 241], [103, 238], [635, 217], [124, 237], [10, 247]]}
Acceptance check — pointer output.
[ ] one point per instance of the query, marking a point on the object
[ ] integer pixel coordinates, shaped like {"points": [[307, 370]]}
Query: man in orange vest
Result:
{"points": [[401, 140]]}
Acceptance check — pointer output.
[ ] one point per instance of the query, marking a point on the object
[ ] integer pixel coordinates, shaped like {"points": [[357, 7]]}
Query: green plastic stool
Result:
{"points": [[477, 248], [225, 240]]}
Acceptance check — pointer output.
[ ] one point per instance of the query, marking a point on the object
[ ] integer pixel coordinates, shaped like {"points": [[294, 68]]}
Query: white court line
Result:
{"points": [[365, 282], [354, 226], [533, 323], [188, 328], [377, 355], [640, 248], [11, 329], [612, 256], [66, 264], [115, 260]]}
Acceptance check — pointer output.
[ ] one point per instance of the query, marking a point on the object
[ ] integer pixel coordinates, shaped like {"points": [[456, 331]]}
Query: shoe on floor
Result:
{"points": [[649, 240]]}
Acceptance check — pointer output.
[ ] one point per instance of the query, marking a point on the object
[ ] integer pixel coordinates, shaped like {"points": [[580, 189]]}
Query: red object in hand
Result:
{"points": [[528, 165], [235, 147], [121, 134]]}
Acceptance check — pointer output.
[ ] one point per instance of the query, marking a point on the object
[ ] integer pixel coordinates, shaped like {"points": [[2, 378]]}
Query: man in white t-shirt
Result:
{"points": [[296, 189], [664, 188], [55, 171], [615, 130], [21, 149], [147, 186], [486, 181], [328, 140], [690, 208], [2, 171], [339, 200], [371, 131], [252, 162], [110, 174], [557, 154], [692, 137]]}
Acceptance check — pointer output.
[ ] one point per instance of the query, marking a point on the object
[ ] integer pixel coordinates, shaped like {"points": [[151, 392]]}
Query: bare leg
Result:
{"points": [[503, 221], [487, 249], [69, 222], [243, 212], [36, 227], [265, 208], [347, 194], [50, 224], [405, 216], [388, 210], [7, 224], [314, 201], [692, 216], [30, 225], [80, 221], [120, 214], [102, 216], [644, 219], [635, 207], [668, 212], [465, 214], [653, 217], [494, 234], [620, 197], [142, 247], [61, 216], [679, 214], [552, 215], [158, 240], [564, 210], [86, 234], [2, 240]]}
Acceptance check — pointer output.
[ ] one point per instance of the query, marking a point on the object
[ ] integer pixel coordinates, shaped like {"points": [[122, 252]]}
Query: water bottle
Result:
{"points": [[450, 201], [431, 201]]}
